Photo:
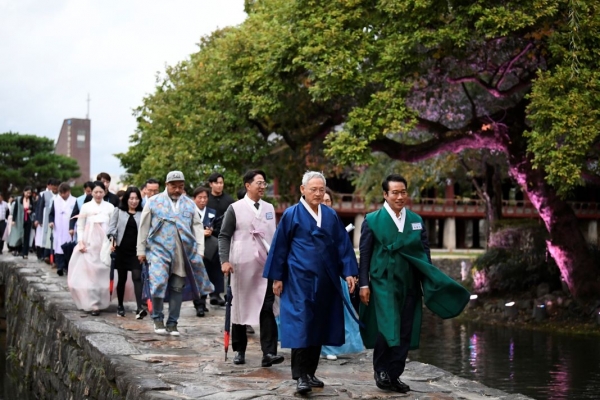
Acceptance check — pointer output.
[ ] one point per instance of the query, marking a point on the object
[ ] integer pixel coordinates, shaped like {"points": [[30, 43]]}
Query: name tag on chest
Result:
{"points": [[269, 215], [416, 226]]}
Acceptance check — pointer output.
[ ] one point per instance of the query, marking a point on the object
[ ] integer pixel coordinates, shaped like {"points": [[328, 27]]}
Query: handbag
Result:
{"points": [[105, 252]]}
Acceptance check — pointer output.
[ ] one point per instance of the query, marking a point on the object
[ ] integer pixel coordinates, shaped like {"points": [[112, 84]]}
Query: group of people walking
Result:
{"points": [[181, 248]]}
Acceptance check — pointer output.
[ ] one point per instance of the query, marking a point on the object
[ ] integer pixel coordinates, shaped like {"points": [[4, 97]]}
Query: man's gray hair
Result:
{"points": [[308, 175]]}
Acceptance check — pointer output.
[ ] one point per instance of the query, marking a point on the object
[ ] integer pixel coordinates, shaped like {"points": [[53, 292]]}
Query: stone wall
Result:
{"points": [[52, 353], [452, 266]]}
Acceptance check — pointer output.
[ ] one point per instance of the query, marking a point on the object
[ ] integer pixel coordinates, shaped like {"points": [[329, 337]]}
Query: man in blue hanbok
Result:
{"points": [[171, 239], [311, 250]]}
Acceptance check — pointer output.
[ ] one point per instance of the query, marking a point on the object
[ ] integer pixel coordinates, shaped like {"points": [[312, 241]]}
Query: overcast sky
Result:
{"points": [[53, 53]]}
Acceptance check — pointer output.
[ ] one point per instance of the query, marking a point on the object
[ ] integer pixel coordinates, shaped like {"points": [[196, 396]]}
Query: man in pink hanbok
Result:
{"points": [[244, 240], [171, 239], [60, 214]]}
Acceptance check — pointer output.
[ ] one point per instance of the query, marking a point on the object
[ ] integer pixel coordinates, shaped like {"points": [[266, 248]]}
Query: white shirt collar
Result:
{"points": [[399, 221], [317, 217], [251, 203]]}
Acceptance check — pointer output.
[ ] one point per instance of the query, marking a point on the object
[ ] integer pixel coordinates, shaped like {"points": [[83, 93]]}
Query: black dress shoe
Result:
{"points": [[217, 301], [398, 386], [382, 380], [200, 312], [303, 385], [95, 313], [270, 359], [313, 381], [60, 272], [249, 329], [240, 358]]}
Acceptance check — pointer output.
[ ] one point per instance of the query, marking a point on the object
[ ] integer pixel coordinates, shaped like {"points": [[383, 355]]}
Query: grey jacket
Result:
{"points": [[118, 222]]}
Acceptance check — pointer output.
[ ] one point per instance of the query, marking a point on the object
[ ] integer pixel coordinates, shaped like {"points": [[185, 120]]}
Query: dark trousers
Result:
{"points": [[26, 237], [215, 275], [305, 361], [268, 327], [2, 229], [392, 359], [136, 277], [213, 269], [61, 262]]}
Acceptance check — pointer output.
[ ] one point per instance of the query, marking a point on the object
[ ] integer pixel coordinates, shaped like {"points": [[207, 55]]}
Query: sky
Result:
{"points": [[53, 53]]}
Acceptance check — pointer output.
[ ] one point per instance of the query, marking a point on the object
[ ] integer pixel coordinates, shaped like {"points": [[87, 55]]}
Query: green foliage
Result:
{"points": [[29, 160], [320, 85]]}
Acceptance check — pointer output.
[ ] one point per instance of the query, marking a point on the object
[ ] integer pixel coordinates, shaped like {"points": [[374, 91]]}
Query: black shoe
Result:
{"points": [[270, 359], [313, 381], [249, 329], [217, 301], [59, 272], [240, 358], [95, 313], [121, 311], [382, 380], [398, 386], [200, 312], [303, 385], [140, 313]]}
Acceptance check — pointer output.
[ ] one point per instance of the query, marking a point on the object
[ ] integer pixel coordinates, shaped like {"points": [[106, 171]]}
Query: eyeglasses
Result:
{"points": [[315, 190], [262, 184]]}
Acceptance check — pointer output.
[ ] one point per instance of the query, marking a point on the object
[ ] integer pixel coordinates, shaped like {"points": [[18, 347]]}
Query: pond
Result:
{"points": [[542, 365]]}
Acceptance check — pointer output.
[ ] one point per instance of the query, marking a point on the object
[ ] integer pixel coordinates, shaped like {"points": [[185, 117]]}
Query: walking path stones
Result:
{"points": [[192, 366]]}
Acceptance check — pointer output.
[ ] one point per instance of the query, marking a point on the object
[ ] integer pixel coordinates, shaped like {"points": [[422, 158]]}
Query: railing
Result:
{"points": [[351, 205]]}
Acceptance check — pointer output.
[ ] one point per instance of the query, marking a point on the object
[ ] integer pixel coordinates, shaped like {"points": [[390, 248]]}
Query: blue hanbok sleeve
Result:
{"points": [[276, 266], [345, 251]]}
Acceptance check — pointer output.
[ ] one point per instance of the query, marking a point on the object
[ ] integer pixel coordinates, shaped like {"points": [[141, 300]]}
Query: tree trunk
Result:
{"points": [[566, 244]]}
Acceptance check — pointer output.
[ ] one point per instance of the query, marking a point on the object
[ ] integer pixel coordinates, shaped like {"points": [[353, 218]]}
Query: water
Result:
{"points": [[541, 365]]}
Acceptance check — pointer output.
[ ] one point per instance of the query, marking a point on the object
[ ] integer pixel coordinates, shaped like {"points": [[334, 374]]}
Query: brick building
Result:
{"points": [[74, 141]]}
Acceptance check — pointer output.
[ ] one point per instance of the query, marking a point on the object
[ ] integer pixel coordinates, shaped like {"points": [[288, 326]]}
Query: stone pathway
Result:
{"points": [[192, 366]]}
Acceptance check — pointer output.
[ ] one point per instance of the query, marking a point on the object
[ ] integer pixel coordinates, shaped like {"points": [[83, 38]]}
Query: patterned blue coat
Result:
{"points": [[166, 226]]}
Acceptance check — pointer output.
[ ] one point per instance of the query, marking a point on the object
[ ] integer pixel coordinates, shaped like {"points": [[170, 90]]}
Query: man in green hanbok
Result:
{"points": [[395, 276]]}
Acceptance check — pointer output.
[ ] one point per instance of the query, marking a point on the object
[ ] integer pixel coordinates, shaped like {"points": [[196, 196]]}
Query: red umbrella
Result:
{"points": [[146, 286], [226, 335]]}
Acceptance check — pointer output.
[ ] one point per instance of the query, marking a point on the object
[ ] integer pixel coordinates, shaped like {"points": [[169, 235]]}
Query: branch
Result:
{"points": [[511, 63], [450, 141], [480, 192], [473, 107], [261, 128], [490, 89]]}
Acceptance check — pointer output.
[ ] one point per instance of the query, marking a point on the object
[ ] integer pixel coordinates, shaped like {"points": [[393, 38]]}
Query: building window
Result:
{"points": [[80, 139]]}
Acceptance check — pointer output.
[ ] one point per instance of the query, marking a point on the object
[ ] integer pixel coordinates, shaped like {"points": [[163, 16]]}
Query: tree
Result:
{"points": [[224, 103], [521, 78], [29, 160], [409, 78]]}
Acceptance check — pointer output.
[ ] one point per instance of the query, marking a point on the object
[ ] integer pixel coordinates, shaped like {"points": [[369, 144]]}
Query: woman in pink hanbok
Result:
{"points": [[89, 278]]}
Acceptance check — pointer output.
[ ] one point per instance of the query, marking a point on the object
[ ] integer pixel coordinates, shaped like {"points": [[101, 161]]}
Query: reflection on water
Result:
{"points": [[541, 365]]}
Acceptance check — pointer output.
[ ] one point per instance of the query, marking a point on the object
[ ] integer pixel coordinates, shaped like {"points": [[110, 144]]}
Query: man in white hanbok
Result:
{"points": [[60, 214]]}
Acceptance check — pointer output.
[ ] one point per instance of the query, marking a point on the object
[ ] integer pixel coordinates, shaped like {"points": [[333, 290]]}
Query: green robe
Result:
{"points": [[399, 263]]}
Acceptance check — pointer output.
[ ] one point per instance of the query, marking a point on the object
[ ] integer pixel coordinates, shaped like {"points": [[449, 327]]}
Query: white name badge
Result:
{"points": [[416, 226], [269, 215]]}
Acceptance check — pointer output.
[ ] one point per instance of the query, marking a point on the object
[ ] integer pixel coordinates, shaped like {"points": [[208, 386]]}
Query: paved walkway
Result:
{"points": [[192, 366]]}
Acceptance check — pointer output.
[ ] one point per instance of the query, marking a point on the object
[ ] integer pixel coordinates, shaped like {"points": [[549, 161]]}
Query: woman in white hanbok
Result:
{"points": [[89, 278]]}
